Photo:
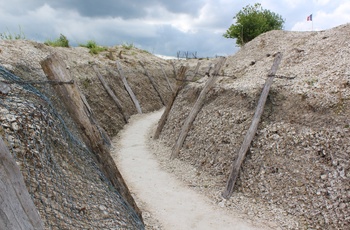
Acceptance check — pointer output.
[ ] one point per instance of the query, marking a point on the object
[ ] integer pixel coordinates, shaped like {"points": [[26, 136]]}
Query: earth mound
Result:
{"points": [[300, 157], [64, 177]]}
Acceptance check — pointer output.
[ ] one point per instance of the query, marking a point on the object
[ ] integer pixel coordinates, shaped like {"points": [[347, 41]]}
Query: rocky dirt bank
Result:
{"points": [[299, 160], [62, 175]]}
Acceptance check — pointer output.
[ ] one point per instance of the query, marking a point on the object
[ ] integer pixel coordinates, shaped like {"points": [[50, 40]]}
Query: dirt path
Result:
{"points": [[168, 200]]}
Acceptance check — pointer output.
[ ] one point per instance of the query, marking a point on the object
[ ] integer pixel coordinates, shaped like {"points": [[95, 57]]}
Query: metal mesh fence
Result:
{"points": [[61, 174]]}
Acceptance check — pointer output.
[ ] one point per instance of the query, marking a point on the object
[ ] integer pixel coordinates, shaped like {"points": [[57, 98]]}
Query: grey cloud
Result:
{"points": [[125, 9], [190, 7], [106, 8]]}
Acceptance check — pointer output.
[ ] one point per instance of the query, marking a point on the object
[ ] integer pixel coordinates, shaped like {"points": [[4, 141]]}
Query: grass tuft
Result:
{"points": [[13, 36], [62, 41], [93, 47], [128, 46]]}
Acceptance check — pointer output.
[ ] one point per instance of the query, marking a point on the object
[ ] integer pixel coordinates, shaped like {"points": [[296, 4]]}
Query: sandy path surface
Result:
{"points": [[167, 199]]}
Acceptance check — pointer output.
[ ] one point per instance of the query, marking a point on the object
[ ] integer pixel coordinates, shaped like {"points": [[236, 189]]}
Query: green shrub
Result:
{"points": [[62, 41], [93, 47]]}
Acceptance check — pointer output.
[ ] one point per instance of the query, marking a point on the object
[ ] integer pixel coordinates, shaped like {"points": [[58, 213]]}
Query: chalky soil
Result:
{"points": [[171, 203]]}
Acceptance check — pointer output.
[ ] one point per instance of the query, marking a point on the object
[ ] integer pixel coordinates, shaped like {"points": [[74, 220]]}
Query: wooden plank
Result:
{"points": [[127, 87], [17, 210], [179, 85], [209, 69], [74, 101], [78, 109], [174, 69], [111, 93], [152, 82], [195, 72], [252, 129], [195, 109], [166, 78]]}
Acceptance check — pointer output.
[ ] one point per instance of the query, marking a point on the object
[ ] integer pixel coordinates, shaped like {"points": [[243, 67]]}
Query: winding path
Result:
{"points": [[172, 203]]}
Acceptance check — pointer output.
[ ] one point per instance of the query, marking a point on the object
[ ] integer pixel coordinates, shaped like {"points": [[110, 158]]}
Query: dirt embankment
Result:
{"points": [[62, 175], [299, 160], [23, 59]]}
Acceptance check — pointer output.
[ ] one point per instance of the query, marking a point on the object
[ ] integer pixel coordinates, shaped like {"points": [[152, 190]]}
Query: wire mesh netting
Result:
{"points": [[61, 173]]}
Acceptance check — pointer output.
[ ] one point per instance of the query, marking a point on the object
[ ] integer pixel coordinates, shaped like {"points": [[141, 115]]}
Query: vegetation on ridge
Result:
{"points": [[62, 41], [93, 47], [252, 21], [13, 36]]}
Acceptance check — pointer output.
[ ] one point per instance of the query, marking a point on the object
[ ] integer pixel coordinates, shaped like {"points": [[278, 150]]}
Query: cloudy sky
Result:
{"points": [[159, 26]]}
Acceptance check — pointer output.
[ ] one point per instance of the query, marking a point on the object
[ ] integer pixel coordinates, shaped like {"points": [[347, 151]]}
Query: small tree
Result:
{"points": [[252, 21]]}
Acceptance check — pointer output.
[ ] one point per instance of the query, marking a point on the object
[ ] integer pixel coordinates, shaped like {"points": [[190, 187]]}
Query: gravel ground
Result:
{"points": [[299, 159], [246, 208], [171, 194]]}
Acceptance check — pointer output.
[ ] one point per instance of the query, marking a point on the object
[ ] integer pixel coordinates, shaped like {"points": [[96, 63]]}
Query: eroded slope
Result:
{"points": [[299, 159]]}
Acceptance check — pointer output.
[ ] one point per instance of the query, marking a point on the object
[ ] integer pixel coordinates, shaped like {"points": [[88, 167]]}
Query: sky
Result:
{"points": [[163, 27]]}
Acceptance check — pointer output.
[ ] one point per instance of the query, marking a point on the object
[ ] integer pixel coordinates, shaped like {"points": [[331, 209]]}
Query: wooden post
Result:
{"points": [[110, 93], [179, 85], [195, 71], [252, 129], [17, 210], [195, 109], [80, 112], [209, 68], [166, 77], [152, 82], [127, 87], [174, 69]]}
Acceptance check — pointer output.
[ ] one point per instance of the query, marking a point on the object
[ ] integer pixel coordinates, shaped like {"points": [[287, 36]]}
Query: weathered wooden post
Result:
{"points": [[127, 87], [195, 109], [174, 69], [152, 82], [166, 77], [17, 210], [81, 113], [110, 93], [179, 85], [252, 130], [195, 72]]}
